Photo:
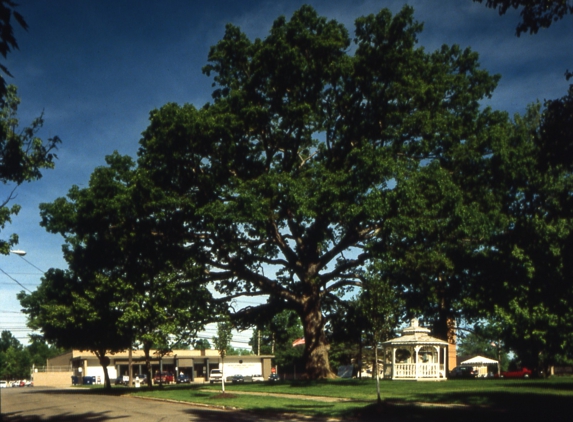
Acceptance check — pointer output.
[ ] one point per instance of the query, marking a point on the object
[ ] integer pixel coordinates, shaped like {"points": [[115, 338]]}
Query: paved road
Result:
{"points": [[77, 405]]}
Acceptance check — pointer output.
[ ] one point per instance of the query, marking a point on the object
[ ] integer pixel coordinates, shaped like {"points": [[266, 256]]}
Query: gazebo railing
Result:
{"points": [[405, 370], [424, 370]]}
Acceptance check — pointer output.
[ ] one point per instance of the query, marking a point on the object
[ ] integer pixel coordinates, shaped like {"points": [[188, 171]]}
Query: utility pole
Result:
{"points": [[259, 344]]}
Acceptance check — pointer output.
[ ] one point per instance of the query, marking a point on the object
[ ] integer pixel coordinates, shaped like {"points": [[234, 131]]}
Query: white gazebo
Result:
{"points": [[415, 355], [481, 364]]}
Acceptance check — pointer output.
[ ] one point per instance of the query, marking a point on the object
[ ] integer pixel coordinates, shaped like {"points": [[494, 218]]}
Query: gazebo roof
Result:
{"points": [[414, 334]]}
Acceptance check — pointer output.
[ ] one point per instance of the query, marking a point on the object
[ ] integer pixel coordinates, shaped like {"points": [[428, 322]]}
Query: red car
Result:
{"points": [[164, 378], [520, 373]]}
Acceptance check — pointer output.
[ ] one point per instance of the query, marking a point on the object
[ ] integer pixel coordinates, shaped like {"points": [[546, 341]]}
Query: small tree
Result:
{"points": [[222, 343], [15, 360], [74, 313], [382, 308], [275, 337], [201, 344]]}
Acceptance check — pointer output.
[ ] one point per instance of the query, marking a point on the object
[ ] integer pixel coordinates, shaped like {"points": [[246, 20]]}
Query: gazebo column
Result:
{"points": [[417, 360], [393, 362], [437, 364]]}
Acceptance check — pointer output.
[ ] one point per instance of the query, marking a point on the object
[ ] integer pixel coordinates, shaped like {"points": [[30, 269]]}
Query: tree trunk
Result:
{"points": [[104, 362], [146, 350], [130, 365], [316, 348], [360, 366], [223, 375], [379, 398]]}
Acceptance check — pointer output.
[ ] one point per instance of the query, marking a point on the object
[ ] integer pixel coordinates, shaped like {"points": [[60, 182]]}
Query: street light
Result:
{"points": [[18, 252]]}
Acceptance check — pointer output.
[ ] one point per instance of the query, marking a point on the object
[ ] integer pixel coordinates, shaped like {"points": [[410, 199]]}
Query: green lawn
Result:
{"points": [[465, 400]]}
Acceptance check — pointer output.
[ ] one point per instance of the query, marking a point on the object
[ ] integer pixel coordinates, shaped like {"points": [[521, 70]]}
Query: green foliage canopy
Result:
{"points": [[115, 292], [527, 270]]}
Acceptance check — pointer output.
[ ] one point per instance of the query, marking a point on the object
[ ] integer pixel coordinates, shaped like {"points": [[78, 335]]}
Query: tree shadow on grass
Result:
{"points": [[471, 407], [243, 416], [550, 384]]}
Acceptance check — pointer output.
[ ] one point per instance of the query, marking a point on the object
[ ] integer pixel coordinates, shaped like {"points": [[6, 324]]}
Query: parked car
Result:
{"points": [[257, 378], [462, 372], [183, 379], [124, 379], [29, 383], [520, 373], [238, 379], [274, 378], [3, 384], [163, 377], [216, 376]]}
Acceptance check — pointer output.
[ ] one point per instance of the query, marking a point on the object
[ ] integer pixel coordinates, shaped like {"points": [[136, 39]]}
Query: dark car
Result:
{"points": [[238, 379], [462, 372], [122, 380], [274, 378], [183, 378]]}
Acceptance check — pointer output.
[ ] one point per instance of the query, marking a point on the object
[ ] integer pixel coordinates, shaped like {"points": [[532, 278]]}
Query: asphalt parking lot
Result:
{"points": [[79, 405]]}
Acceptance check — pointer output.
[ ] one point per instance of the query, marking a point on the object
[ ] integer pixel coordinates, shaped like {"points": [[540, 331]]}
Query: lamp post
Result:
{"points": [[18, 252]]}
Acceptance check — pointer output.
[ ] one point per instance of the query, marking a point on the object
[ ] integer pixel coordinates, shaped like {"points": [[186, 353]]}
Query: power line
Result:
{"points": [[39, 269], [13, 279]]}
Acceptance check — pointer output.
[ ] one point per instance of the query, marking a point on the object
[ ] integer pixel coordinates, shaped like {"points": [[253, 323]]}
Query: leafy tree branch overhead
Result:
{"points": [[535, 14], [22, 154], [7, 39]]}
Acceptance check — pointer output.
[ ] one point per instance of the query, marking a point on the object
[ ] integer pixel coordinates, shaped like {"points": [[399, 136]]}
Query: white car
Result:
{"points": [[3, 384], [216, 376], [258, 378]]}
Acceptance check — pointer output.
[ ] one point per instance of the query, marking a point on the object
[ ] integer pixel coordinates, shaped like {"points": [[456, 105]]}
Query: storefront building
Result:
{"points": [[197, 364]]}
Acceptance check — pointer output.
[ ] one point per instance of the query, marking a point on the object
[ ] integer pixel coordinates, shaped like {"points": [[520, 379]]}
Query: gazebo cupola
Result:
{"points": [[415, 355]]}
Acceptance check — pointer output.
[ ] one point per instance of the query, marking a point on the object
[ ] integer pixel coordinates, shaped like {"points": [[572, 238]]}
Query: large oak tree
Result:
{"points": [[289, 182]]}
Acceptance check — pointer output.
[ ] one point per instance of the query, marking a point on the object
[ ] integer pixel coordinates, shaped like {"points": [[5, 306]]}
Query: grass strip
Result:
{"points": [[467, 400]]}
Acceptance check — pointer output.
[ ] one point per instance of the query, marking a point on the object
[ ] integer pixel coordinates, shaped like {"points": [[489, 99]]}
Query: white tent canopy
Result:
{"points": [[480, 364], [479, 360]]}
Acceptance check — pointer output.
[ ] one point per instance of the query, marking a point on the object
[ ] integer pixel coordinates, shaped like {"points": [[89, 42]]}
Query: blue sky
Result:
{"points": [[97, 68]]}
